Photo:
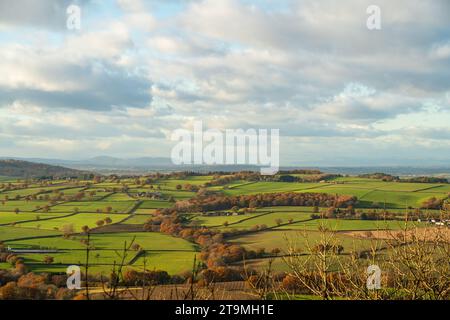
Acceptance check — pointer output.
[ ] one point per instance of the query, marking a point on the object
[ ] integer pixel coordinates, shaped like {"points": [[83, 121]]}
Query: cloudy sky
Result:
{"points": [[340, 94]]}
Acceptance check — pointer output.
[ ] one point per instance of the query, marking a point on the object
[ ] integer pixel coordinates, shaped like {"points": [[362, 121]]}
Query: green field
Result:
{"points": [[138, 219], [268, 187], [399, 199], [23, 206], [301, 241], [102, 262], [155, 204], [271, 219], [178, 195], [162, 252], [145, 211], [119, 196], [392, 195], [11, 217], [30, 191], [194, 180], [94, 206], [8, 233], [41, 230], [349, 225], [172, 262], [77, 221]]}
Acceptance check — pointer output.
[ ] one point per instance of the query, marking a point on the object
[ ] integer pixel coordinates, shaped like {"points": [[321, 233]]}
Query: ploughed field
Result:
{"points": [[47, 219]]}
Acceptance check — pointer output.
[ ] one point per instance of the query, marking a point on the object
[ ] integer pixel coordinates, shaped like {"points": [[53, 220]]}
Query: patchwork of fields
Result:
{"points": [[395, 195], [53, 216]]}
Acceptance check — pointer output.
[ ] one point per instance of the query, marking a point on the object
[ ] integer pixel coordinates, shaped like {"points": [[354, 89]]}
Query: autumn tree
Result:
{"points": [[48, 260]]}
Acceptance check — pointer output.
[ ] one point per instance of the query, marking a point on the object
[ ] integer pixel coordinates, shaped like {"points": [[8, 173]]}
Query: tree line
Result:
{"points": [[216, 202]]}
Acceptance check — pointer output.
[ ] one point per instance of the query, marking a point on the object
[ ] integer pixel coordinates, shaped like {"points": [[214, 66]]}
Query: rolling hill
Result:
{"points": [[26, 169]]}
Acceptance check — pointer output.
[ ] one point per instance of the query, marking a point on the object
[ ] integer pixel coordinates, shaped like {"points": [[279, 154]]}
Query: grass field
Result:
{"points": [[145, 211], [394, 195], [43, 230], [178, 195], [266, 216], [99, 194], [301, 241], [162, 252], [119, 196], [93, 206], [155, 204], [172, 262], [301, 217], [348, 225], [194, 180], [23, 206], [270, 220], [11, 217], [8, 233], [268, 187], [399, 199], [35, 190], [138, 219], [77, 221], [102, 262]]}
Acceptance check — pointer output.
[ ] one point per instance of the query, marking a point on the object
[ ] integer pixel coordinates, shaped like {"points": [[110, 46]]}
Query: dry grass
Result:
{"points": [[422, 233]]}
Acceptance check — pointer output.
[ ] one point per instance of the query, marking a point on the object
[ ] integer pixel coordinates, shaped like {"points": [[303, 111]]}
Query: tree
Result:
{"points": [[432, 203], [331, 212], [279, 221], [9, 291], [291, 283], [85, 229], [276, 251], [288, 178], [100, 223], [48, 260], [339, 249], [68, 229]]}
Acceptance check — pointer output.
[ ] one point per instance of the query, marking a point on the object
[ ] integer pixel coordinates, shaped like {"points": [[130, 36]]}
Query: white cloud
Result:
{"points": [[441, 51], [310, 68]]}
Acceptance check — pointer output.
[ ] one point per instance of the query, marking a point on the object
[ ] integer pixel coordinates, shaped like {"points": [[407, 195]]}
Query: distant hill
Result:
{"points": [[105, 162], [112, 165], [26, 169]]}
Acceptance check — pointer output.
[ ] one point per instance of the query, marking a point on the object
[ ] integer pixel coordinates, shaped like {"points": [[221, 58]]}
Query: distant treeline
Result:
{"points": [[301, 171], [220, 178], [284, 176], [307, 178], [388, 177], [210, 203]]}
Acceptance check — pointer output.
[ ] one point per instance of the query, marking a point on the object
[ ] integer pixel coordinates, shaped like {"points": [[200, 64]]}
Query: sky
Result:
{"points": [[135, 71]]}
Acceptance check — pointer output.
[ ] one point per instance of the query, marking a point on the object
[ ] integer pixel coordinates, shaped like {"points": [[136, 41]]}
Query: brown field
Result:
{"points": [[237, 290], [429, 234]]}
